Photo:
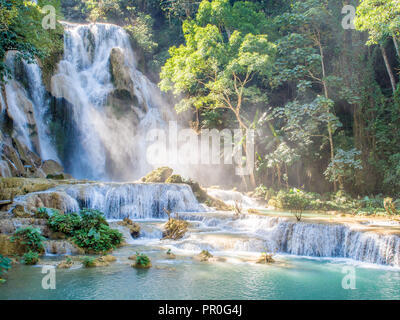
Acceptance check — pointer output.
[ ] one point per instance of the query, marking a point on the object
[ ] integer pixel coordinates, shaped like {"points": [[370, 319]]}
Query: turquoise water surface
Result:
{"points": [[184, 278]]}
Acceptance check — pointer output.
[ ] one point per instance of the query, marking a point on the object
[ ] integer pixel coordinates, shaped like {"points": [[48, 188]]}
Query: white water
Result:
{"points": [[231, 197], [32, 97], [254, 233], [106, 147], [41, 107]]}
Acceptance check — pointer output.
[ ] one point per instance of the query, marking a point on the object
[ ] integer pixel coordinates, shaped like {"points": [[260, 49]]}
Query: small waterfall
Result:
{"points": [[135, 201], [231, 196], [275, 234], [111, 109]]}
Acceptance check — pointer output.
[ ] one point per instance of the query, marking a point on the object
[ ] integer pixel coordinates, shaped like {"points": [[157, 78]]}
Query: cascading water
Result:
{"points": [[28, 106], [37, 93], [276, 234], [106, 145]]}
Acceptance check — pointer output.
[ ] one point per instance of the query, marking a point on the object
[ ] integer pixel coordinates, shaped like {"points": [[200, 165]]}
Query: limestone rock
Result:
{"points": [[175, 229], [134, 228], [51, 167], [8, 248], [159, 175]]}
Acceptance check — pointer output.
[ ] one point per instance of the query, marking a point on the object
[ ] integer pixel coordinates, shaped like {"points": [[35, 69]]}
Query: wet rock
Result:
{"points": [[170, 255], [66, 264], [141, 261], [12, 187], [159, 175], [103, 261], [265, 259], [203, 256], [62, 247], [175, 178], [8, 248], [51, 167], [175, 229], [134, 228]]}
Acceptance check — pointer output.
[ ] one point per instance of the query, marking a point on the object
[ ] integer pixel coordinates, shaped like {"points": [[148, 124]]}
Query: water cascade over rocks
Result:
{"points": [[254, 233], [112, 104]]}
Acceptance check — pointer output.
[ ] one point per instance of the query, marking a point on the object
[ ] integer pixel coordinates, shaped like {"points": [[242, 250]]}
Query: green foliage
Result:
{"points": [[31, 238], [142, 260], [30, 258], [65, 223], [21, 29], [5, 265], [101, 239], [380, 18], [220, 57], [88, 229], [343, 166], [88, 262], [45, 213]]}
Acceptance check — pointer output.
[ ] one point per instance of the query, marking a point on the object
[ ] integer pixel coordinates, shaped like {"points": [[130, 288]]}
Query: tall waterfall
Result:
{"points": [[111, 109]]}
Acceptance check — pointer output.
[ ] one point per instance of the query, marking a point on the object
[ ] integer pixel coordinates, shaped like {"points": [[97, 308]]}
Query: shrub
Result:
{"points": [[89, 230], [98, 240], [5, 265], [142, 260], [295, 200], [31, 238], [65, 223], [92, 219], [30, 258], [45, 213], [88, 262]]}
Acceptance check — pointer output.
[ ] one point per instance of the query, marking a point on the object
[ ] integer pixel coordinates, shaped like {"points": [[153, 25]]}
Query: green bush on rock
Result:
{"points": [[30, 238], [141, 261], [30, 258], [88, 229]]}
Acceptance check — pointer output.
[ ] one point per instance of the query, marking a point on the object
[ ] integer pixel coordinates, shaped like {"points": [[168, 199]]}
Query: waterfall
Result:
{"points": [[106, 145], [28, 106], [37, 93], [116, 200], [282, 235], [135, 201]]}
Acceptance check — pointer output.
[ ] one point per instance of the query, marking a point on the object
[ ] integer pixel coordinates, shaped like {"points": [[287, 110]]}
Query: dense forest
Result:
{"points": [[320, 89]]}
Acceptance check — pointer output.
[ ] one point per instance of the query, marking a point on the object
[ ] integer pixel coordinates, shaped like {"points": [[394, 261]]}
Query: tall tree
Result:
{"points": [[382, 21], [224, 51]]}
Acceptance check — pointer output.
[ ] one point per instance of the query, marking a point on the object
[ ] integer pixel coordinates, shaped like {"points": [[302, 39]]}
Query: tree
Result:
{"points": [[21, 29], [224, 51], [382, 21], [301, 58]]}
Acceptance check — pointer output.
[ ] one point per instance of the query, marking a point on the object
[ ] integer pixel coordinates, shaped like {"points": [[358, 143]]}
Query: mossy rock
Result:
{"points": [[175, 178], [159, 175], [204, 256], [175, 229], [134, 228], [265, 259], [8, 248], [13, 187], [102, 261]]}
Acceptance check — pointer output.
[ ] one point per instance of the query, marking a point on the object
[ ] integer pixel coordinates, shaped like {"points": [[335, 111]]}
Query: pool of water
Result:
{"points": [[184, 278]]}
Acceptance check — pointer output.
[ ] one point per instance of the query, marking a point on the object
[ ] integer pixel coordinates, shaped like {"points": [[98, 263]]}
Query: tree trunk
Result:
{"points": [[389, 69], [396, 45]]}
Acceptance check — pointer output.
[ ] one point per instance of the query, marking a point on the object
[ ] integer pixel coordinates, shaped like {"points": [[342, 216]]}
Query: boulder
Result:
{"points": [[175, 178], [12, 187], [203, 256], [265, 259], [134, 228], [175, 229], [51, 167], [159, 175], [8, 248]]}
